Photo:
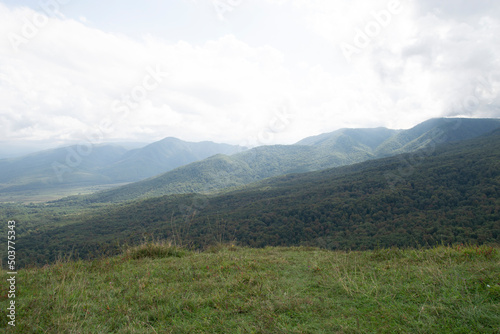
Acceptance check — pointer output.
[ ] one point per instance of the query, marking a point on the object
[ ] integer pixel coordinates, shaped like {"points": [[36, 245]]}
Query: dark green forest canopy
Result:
{"points": [[442, 194]]}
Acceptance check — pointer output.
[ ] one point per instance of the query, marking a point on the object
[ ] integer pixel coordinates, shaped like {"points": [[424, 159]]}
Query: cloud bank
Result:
{"points": [[62, 80]]}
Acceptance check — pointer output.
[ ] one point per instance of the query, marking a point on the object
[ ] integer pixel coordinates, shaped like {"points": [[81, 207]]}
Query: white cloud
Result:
{"points": [[79, 72], [429, 60]]}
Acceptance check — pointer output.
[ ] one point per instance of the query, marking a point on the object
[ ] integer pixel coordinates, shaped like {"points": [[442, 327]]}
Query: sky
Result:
{"points": [[245, 72]]}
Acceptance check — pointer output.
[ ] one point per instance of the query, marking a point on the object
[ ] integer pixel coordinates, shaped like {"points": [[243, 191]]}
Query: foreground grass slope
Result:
{"points": [[156, 288]]}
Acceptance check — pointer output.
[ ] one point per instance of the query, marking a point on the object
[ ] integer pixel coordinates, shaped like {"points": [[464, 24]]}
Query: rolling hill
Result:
{"points": [[162, 156], [339, 148]]}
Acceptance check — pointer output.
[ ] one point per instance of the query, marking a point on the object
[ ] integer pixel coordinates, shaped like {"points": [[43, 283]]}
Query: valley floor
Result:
{"points": [[42, 195], [156, 288]]}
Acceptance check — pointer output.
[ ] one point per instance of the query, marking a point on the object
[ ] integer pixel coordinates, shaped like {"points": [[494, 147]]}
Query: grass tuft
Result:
{"points": [[154, 250]]}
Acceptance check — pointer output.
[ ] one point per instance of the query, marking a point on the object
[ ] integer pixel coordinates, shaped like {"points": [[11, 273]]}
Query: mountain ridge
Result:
{"points": [[338, 148], [76, 166]]}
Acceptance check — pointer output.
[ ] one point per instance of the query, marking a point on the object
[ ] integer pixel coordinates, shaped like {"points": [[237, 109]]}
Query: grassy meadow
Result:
{"points": [[159, 288]]}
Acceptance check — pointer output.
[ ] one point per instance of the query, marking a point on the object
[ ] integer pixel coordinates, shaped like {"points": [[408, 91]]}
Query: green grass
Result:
{"points": [[159, 288]]}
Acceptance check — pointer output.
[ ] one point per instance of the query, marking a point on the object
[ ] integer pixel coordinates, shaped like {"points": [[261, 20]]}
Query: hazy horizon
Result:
{"points": [[13, 150]]}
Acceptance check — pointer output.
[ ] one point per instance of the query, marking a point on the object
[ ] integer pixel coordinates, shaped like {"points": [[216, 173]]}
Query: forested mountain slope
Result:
{"points": [[447, 194], [339, 148]]}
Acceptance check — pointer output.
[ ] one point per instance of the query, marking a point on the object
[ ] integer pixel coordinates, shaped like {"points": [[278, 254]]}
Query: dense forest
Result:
{"points": [[439, 195]]}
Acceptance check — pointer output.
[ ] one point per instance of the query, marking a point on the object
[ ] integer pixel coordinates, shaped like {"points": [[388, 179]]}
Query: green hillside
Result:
{"points": [[339, 148], [162, 156], [448, 195], [158, 288], [436, 131]]}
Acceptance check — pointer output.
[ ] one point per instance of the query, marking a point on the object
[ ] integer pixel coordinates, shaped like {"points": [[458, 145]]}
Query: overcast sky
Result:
{"points": [[246, 72]]}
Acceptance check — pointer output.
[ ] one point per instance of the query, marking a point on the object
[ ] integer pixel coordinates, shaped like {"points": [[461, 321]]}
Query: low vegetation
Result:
{"points": [[160, 288]]}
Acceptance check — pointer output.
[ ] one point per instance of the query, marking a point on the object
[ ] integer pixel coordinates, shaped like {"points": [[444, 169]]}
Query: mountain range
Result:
{"points": [[443, 194], [338, 148], [77, 166], [173, 166]]}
